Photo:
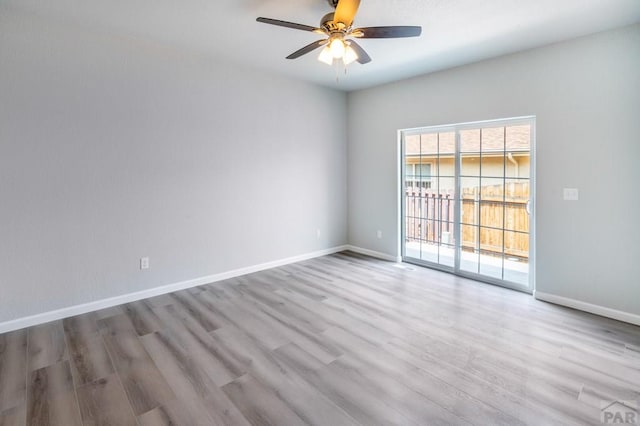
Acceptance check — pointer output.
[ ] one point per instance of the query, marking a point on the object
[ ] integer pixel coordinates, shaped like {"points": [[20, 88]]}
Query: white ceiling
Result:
{"points": [[455, 32]]}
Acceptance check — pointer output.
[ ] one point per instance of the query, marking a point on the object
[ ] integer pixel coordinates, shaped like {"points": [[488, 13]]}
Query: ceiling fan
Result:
{"points": [[337, 26]]}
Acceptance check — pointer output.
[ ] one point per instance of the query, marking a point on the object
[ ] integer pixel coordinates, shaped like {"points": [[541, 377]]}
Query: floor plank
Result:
{"points": [[13, 369], [51, 397], [185, 377], [259, 404], [143, 318], [204, 350], [104, 402], [46, 345], [89, 358], [305, 400], [15, 416], [143, 383], [172, 413]]}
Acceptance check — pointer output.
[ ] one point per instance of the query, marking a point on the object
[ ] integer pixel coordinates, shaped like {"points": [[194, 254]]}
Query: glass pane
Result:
{"points": [[491, 214], [518, 138], [448, 233], [491, 264], [469, 212], [412, 230], [516, 260], [446, 166], [491, 252], [412, 146], [414, 224], [470, 165], [516, 217], [516, 272], [492, 165], [491, 240], [412, 155], [518, 189], [447, 186], [517, 193], [518, 164], [412, 249], [470, 140], [429, 144], [429, 252], [429, 226], [470, 237], [440, 231], [516, 245], [447, 144], [492, 140], [447, 252], [428, 229], [447, 207], [492, 189], [409, 170], [469, 261], [423, 176], [470, 195], [470, 188], [491, 203], [424, 170]]}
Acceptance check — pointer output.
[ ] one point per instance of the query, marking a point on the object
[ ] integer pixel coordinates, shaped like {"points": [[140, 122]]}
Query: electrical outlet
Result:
{"points": [[379, 234], [144, 263], [570, 194], [318, 234]]}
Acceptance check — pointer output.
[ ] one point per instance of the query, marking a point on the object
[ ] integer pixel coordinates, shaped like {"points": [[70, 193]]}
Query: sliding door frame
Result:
{"points": [[457, 128]]}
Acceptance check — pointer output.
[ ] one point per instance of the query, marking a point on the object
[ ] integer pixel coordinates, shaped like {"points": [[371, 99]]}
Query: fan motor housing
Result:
{"points": [[330, 25], [327, 22]]}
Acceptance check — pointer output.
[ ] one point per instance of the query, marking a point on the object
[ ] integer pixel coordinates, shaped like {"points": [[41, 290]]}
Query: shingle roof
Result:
{"points": [[493, 139]]}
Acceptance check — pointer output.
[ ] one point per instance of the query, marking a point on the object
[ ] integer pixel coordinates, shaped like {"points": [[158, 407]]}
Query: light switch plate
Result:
{"points": [[144, 263], [570, 194]]}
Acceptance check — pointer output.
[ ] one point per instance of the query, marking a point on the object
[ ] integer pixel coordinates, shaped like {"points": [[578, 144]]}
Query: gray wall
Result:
{"points": [[112, 149], [586, 96]]}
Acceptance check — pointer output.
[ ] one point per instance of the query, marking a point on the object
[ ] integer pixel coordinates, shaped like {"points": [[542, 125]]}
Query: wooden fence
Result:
{"points": [[429, 217]]}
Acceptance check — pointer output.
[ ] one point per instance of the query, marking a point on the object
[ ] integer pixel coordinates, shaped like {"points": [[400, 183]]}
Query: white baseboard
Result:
{"points": [[156, 291], [376, 254], [588, 307]]}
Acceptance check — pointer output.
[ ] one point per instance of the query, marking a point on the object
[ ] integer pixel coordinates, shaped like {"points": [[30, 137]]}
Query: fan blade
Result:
{"points": [[288, 24], [387, 32], [308, 48], [363, 58], [346, 11]]}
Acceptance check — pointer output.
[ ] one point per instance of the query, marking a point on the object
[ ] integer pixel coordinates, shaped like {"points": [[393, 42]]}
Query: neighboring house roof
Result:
{"points": [[493, 140]]}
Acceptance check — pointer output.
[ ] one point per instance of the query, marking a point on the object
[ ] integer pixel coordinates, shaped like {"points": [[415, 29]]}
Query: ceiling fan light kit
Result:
{"points": [[339, 31]]}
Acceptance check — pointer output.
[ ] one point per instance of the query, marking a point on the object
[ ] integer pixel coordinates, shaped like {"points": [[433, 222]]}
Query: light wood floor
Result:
{"points": [[342, 339]]}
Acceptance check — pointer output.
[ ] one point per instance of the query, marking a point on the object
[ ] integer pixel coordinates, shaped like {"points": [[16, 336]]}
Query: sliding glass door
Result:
{"points": [[467, 199]]}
